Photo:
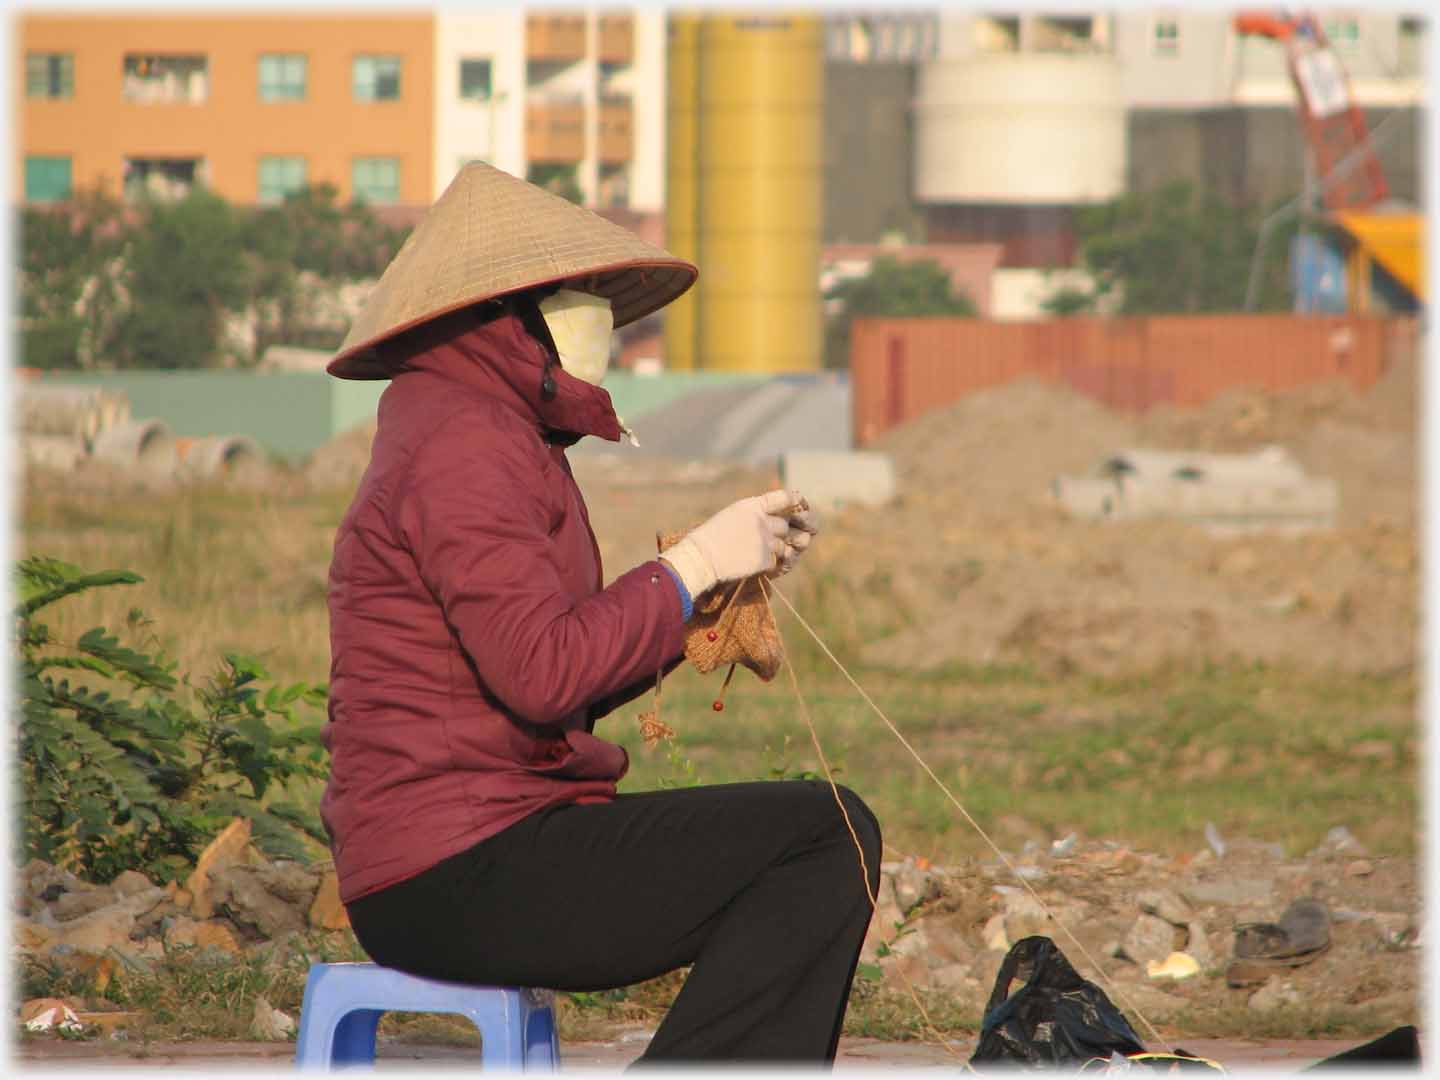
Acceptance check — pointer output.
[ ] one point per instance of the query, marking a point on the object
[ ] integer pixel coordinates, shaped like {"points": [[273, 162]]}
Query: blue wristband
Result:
{"points": [[687, 606]]}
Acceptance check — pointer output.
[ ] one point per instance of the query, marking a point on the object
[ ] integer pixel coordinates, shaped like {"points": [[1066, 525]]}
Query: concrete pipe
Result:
{"points": [[221, 457], [81, 412], [148, 445], [55, 453]]}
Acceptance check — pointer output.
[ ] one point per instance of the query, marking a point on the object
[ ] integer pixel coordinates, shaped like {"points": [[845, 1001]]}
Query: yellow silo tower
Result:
{"points": [[682, 161], [759, 192]]}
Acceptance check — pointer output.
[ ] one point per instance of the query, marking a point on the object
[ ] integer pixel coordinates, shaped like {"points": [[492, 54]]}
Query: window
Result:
{"points": [[282, 77], [375, 179], [49, 75], [1412, 47], [997, 33], [1165, 36], [474, 80], [153, 79], [1343, 31], [376, 78], [47, 179], [162, 178], [279, 177]]}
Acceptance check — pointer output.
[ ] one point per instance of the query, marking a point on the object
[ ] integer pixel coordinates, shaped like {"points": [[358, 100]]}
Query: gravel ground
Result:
{"points": [[1277, 1055]]}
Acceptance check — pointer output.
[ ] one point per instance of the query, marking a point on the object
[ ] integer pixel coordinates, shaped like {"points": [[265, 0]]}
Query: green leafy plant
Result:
{"points": [[1176, 249], [683, 772], [780, 767], [900, 289], [125, 766]]}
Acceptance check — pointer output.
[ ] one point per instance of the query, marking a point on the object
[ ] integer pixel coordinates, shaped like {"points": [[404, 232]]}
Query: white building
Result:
{"points": [[1194, 59], [572, 101]]}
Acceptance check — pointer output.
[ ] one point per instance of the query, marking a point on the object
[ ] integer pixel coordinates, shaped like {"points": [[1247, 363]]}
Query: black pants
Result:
{"points": [[757, 885]]}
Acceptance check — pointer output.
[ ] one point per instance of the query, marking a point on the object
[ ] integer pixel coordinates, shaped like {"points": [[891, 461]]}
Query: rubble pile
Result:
{"points": [[234, 903], [1158, 933]]}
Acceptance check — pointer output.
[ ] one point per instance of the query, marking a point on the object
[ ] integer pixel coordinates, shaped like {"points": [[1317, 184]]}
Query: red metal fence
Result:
{"points": [[900, 368]]}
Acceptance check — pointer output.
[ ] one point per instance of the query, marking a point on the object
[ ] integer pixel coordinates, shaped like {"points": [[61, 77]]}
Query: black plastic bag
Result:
{"points": [[1056, 1018], [1400, 1047]]}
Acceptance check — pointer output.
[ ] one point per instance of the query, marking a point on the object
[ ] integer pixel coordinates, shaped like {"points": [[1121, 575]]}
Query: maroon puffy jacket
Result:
{"points": [[471, 644]]}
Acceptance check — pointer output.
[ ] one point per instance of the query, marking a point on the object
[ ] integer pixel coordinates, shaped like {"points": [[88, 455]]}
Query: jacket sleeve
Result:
{"points": [[480, 538], [627, 694]]}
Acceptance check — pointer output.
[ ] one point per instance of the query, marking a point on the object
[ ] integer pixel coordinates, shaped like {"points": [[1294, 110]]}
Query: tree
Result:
{"points": [[1174, 250], [69, 280], [153, 285], [183, 272], [894, 288]]}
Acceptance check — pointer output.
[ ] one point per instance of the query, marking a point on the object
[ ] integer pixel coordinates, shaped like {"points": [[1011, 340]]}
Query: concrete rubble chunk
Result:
{"points": [[994, 935], [899, 971], [38, 876], [1024, 917], [31, 937], [328, 913], [242, 891], [1149, 938], [269, 1023], [131, 882], [144, 901], [72, 905], [1197, 944], [957, 979], [914, 885], [1166, 904], [108, 928], [1339, 841], [291, 882], [1230, 891], [940, 941], [212, 933], [1274, 995], [227, 849]]}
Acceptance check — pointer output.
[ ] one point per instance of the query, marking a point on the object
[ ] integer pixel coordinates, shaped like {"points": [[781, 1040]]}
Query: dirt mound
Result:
{"points": [[980, 566], [341, 461]]}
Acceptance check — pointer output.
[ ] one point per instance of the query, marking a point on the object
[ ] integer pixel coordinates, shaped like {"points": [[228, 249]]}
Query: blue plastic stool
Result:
{"points": [[344, 1002]]}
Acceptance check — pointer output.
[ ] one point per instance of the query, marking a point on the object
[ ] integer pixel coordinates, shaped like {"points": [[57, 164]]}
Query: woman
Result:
{"points": [[473, 814]]}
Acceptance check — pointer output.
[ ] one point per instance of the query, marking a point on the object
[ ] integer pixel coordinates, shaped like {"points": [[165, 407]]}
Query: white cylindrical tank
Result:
{"points": [[64, 409], [226, 458], [1020, 128], [141, 444], [57, 453]]}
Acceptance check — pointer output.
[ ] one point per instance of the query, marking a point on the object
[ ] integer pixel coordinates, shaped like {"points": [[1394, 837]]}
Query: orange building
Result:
{"points": [[253, 106]]}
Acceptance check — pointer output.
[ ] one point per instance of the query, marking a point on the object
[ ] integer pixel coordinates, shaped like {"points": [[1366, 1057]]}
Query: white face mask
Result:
{"points": [[580, 325]]}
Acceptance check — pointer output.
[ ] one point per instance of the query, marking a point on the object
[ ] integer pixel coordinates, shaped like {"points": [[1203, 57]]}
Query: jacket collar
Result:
{"points": [[499, 358]]}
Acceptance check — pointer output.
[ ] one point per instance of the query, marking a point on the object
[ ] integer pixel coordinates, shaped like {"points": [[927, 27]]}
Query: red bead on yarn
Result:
{"points": [[710, 635], [718, 705]]}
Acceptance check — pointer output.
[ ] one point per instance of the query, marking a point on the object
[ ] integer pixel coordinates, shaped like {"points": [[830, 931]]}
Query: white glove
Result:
{"points": [[765, 533]]}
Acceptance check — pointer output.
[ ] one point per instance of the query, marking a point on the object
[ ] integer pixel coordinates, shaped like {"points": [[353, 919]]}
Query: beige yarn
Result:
{"points": [[491, 234], [742, 622]]}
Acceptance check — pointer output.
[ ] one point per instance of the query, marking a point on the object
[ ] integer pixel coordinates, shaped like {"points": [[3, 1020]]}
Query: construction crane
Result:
{"points": [[1343, 163], [1333, 124]]}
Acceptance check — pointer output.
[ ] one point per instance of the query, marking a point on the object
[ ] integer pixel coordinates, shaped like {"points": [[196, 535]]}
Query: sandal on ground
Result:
{"points": [[1303, 929]]}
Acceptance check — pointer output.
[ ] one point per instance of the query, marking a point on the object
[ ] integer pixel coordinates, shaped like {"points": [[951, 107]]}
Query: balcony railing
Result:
{"points": [[554, 131], [617, 39], [617, 136], [555, 37]]}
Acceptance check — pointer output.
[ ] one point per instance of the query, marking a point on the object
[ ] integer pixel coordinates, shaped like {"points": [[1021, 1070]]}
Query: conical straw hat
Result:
{"points": [[491, 234]]}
